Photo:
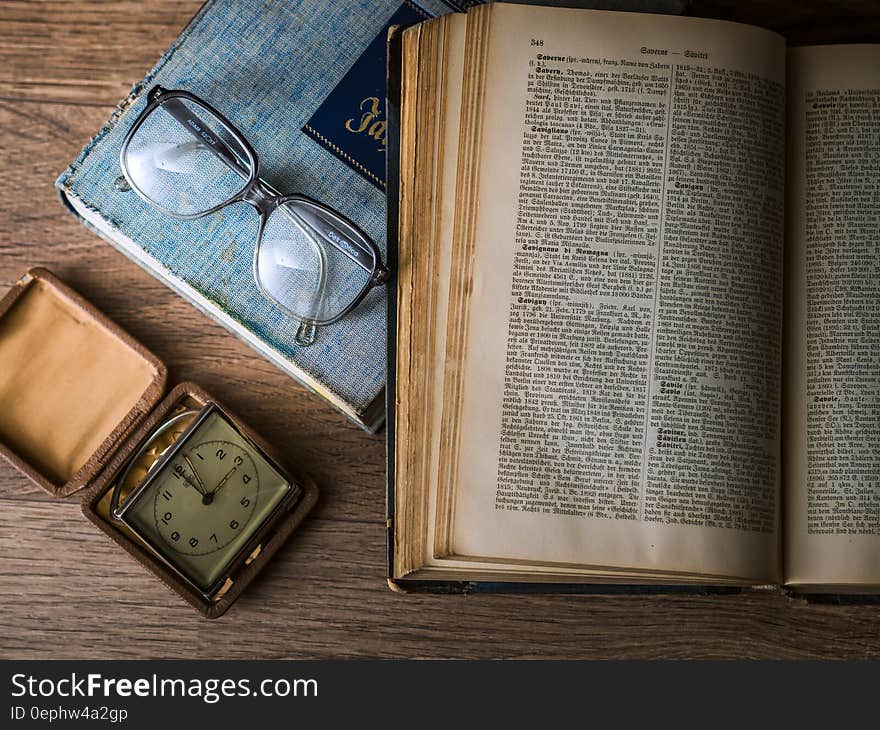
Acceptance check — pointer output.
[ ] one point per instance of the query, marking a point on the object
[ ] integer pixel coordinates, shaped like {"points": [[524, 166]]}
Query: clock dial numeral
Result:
{"points": [[214, 500], [175, 536]]}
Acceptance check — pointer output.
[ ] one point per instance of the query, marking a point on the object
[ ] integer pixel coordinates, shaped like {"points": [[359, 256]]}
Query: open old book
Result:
{"points": [[638, 322]]}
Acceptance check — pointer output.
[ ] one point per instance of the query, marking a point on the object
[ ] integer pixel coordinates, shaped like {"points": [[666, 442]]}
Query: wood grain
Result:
{"points": [[67, 592]]}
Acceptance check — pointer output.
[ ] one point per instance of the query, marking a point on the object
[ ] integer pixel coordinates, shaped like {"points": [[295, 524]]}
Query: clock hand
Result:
{"points": [[192, 484], [224, 480], [202, 488]]}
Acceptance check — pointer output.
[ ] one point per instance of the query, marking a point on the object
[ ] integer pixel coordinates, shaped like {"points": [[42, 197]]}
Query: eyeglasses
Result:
{"points": [[187, 160]]}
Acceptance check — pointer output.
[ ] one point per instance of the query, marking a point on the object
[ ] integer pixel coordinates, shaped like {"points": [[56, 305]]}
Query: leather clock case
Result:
{"points": [[271, 539], [79, 396]]}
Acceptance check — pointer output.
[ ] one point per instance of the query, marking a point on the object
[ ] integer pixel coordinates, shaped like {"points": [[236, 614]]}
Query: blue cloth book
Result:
{"points": [[304, 81]]}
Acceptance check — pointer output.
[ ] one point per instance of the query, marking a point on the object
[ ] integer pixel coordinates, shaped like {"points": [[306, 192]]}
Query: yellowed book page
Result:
{"points": [[832, 454], [453, 58], [621, 391]]}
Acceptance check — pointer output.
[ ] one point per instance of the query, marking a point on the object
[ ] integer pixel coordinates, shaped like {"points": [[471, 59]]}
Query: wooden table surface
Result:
{"points": [[66, 592]]}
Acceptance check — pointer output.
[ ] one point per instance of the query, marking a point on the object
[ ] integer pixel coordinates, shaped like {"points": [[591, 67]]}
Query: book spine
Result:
{"points": [[392, 107]]}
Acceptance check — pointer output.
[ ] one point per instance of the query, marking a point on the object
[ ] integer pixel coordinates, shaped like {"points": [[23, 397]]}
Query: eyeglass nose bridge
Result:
{"points": [[261, 197]]}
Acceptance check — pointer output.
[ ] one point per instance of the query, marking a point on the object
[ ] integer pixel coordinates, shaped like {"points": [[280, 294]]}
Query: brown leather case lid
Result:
{"points": [[73, 384]]}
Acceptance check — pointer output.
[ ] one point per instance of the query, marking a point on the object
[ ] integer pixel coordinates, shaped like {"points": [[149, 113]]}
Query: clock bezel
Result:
{"points": [[294, 492]]}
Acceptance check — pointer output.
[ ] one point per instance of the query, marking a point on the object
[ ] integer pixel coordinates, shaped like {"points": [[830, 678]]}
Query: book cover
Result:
{"points": [[299, 79]]}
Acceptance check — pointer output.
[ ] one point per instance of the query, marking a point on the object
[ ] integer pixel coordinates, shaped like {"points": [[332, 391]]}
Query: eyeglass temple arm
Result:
{"points": [[312, 223], [204, 134], [317, 229]]}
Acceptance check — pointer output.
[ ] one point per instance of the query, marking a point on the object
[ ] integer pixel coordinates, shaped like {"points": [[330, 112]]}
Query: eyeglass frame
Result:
{"points": [[258, 193]]}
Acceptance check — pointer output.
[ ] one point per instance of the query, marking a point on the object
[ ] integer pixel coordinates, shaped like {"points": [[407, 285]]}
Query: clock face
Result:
{"points": [[206, 500], [225, 478]]}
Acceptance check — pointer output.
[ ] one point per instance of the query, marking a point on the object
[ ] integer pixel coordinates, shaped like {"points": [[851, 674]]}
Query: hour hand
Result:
{"points": [[201, 485]]}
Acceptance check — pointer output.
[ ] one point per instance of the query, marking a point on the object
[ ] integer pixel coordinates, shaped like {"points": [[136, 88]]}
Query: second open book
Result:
{"points": [[638, 315]]}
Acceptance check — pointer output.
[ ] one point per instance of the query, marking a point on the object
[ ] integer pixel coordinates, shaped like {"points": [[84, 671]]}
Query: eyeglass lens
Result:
{"points": [[312, 262], [176, 159]]}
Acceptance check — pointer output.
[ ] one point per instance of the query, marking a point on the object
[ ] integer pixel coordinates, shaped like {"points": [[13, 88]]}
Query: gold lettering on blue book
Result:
{"points": [[372, 122], [352, 121]]}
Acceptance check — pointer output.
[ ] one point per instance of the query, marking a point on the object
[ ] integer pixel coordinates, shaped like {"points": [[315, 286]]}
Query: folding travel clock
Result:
{"points": [[179, 481]]}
